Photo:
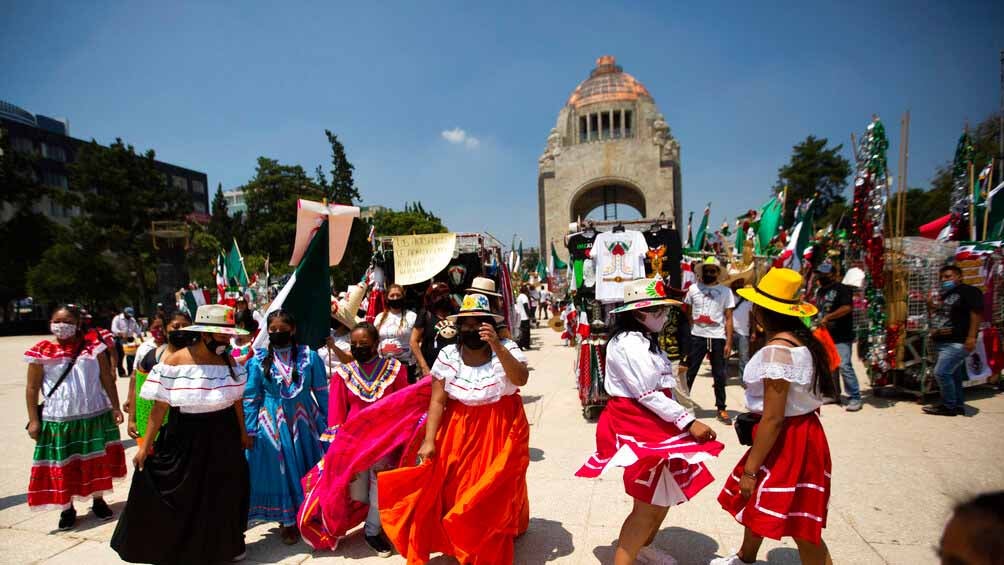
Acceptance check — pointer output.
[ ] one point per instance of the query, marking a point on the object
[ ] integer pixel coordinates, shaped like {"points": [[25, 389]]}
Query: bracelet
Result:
{"points": [[750, 475]]}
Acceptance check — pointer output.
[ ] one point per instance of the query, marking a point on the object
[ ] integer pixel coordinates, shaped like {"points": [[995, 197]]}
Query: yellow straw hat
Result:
{"points": [[778, 291]]}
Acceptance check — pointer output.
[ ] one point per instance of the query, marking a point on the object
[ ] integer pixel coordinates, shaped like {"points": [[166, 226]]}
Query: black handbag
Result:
{"points": [[62, 377], [744, 424]]}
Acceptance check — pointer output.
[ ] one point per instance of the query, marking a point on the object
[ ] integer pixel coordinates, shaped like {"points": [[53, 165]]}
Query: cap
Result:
{"points": [[825, 268]]}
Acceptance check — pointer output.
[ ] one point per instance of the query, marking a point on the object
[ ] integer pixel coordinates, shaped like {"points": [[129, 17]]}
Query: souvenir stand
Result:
{"points": [[475, 255], [982, 266], [647, 248]]}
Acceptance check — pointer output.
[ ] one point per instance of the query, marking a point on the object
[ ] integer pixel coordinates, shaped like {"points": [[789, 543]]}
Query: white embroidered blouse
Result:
{"points": [[80, 395], [195, 388], [475, 386], [792, 364], [634, 371]]}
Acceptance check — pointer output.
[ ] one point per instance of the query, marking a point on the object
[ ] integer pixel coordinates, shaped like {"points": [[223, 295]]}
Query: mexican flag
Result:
{"points": [[556, 264], [995, 214], [770, 220], [193, 299], [307, 295], [235, 273]]}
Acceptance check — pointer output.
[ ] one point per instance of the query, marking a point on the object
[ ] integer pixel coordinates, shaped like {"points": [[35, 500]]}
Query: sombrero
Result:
{"points": [[475, 305], [215, 318], [346, 309], [711, 262], [643, 293], [778, 291], [484, 285], [556, 324]]}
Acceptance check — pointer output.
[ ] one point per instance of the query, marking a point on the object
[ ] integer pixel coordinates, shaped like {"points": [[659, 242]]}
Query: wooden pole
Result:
{"points": [[972, 204]]}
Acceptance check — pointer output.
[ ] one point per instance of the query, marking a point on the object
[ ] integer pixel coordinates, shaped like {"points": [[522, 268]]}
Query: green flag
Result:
{"points": [[307, 294], [702, 230], [558, 263], [740, 239], [995, 214], [770, 219], [236, 274], [541, 269]]}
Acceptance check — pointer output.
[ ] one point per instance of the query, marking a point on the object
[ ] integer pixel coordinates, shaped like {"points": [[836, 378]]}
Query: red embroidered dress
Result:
{"points": [[78, 452]]}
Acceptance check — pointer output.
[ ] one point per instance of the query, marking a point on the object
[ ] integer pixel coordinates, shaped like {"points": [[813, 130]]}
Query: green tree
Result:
{"points": [[814, 171], [200, 259], [342, 190], [122, 193], [271, 198], [221, 225], [413, 220]]}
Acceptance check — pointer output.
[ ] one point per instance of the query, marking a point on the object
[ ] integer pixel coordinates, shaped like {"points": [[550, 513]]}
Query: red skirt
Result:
{"points": [[793, 485], [663, 465]]}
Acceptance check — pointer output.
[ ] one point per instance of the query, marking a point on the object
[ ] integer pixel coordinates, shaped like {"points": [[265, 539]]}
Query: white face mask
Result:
{"points": [[654, 321], [63, 330]]}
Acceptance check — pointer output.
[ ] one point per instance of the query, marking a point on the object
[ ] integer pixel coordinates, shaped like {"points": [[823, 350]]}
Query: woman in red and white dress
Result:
{"points": [[781, 486], [643, 428]]}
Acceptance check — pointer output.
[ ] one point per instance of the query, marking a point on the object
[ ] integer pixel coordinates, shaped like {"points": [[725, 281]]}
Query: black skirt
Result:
{"points": [[190, 503]]}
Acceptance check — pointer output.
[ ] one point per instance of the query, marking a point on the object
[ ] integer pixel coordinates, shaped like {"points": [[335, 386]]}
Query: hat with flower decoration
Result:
{"points": [[217, 319], [778, 291], [475, 305], [644, 293]]}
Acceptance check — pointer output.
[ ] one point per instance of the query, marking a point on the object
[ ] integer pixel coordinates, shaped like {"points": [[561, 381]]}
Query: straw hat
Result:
{"points": [[347, 308], [215, 318], [484, 285], [778, 291], [475, 305], [643, 293], [711, 262]]}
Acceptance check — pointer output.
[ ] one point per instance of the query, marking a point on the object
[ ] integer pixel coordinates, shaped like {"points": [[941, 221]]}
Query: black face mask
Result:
{"points": [[280, 339], [395, 303], [179, 339], [709, 279], [217, 347], [472, 339], [825, 281], [361, 354]]}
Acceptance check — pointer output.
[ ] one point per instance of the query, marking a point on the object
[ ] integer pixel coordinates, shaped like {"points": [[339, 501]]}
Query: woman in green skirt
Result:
{"points": [[78, 449], [139, 413]]}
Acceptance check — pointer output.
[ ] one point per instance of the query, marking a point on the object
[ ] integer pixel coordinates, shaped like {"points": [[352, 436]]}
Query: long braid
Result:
{"points": [[296, 374], [266, 365]]}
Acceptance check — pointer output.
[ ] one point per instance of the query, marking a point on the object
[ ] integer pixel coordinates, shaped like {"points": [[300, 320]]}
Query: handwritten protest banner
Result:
{"points": [[417, 258]]}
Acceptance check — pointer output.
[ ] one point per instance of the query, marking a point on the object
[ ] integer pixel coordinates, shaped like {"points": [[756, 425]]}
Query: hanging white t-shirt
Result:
{"points": [[620, 257], [708, 305]]}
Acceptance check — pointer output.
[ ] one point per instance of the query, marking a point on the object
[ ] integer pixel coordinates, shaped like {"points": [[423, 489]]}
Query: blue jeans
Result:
{"points": [[847, 374], [950, 370], [741, 343]]}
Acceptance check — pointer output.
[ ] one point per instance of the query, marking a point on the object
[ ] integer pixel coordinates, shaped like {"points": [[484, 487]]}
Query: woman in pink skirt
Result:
{"points": [[781, 486], [643, 428]]}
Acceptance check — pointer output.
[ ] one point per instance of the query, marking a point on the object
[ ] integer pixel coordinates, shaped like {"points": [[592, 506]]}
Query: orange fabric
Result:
{"points": [[824, 337], [470, 499]]}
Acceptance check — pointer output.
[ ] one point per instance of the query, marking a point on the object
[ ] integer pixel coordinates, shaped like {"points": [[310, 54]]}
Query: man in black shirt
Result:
{"points": [[835, 303], [955, 321]]}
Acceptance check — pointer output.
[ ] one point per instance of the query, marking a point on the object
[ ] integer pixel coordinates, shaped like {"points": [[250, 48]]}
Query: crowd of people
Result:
{"points": [[413, 425]]}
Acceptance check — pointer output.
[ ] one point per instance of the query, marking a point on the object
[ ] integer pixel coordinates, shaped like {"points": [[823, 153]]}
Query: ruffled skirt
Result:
{"points": [[143, 407], [470, 500], [663, 465], [793, 485], [189, 504], [75, 460]]}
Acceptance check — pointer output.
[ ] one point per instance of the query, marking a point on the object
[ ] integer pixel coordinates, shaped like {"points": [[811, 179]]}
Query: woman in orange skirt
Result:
{"points": [[467, 496], [781, 486]]}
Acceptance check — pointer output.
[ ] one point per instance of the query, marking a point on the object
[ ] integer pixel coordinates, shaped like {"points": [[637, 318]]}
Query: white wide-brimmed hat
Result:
{"points": [[644, 293], [217, 319], [475, 305], [347, 309], [484, 285]]}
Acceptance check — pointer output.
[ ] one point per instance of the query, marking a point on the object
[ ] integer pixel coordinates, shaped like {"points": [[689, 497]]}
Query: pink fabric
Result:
{"points": [[370, 434], [310, 215], [342, 402]]}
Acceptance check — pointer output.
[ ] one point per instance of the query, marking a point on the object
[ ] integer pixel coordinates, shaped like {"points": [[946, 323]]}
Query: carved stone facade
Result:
{"points": [[610, 145]]}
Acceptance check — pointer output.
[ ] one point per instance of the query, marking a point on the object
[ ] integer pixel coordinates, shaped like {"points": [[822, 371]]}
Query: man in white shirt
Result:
{"points": [[534, 304], [545, 304], [710, 312], [125, 328], [741, 325], [524, 311]]}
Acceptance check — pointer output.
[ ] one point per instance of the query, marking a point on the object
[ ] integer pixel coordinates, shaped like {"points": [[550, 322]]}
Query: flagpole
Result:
{"points": [[986, 202], [972, 203]]}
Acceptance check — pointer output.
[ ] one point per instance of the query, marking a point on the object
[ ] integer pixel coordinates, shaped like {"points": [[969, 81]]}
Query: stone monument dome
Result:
{"points": [[610, 147]]}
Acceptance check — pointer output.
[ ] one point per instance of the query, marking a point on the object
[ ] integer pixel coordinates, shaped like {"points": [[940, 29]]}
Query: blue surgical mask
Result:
{"points": [[947, 285]]}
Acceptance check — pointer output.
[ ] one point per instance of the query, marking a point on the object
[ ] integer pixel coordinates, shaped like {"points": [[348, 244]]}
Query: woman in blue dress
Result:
{"points": [[285, 412]]}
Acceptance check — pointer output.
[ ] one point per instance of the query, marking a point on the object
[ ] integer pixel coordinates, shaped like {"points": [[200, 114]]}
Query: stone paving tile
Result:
{"points": [[912, 554], [86, 552], [31, 547]]}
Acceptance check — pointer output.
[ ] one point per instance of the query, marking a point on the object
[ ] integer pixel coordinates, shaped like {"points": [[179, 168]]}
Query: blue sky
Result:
{"points": [[212, 87]]}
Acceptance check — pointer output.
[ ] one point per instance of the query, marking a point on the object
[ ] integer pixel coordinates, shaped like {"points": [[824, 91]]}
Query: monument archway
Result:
{"points": [[607, 197]]}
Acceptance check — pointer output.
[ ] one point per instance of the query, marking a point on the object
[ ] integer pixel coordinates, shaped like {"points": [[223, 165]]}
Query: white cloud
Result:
{"points": [[458, 136]]}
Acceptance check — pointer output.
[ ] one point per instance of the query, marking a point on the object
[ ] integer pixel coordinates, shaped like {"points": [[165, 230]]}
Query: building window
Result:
{"points": [[594, 127], [23, 145], [200, 207], [582, 129], [55, 180], [198, 187], [627, 123], [181, 183], [54, 152]]}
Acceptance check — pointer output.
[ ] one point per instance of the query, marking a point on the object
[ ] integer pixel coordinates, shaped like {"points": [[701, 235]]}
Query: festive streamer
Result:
{"points": [[959, 200]]}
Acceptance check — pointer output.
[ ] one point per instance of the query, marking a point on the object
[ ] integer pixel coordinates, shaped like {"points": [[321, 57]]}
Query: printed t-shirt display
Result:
{"points": [[620, 257]]}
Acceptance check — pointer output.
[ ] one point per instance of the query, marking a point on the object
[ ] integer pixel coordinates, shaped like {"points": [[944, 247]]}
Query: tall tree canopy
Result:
{"points": [[342, 190], [413, 220], [814, 171], [121, 194], [221, 225]]}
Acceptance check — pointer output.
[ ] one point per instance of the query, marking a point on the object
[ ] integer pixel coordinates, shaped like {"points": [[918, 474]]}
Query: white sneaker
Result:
{"points": [[655, 556], [730, 560]]}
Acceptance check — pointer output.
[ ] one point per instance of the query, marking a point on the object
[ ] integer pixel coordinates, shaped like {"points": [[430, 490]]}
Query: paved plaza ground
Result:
{"points": [[896, 474]]}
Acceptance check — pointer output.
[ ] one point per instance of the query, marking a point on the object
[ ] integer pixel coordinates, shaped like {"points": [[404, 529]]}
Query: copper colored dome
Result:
{"points": [[607, 83]]}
